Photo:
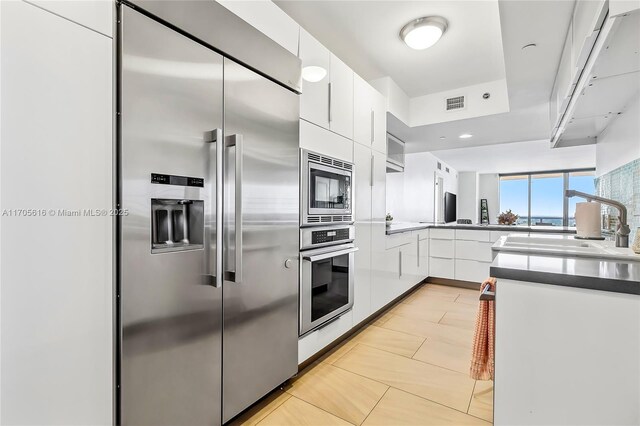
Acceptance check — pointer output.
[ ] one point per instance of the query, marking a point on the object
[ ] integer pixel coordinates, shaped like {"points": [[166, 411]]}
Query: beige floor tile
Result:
{"points": [[420, 311], [399, 408], [390, 340], [465, 320], [438, 288], [336, 353], [296, 412], [344, 394], [469, 298], [482, 401], [382, 319], [440, 332], [258, 412], [442, 354], [439, 304], [429, 381]]}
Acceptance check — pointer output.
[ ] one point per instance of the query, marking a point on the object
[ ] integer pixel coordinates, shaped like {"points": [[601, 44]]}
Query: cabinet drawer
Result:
{"points": [[441, 268], [471, 270], [445, 234], [395, 240], [441, 248], [474, 250], [422, 234], [472, 235]]}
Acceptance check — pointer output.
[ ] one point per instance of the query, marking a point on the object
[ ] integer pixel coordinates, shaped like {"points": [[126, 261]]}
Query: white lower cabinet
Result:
{"points": [[471, 270], [386, 278], [408, 266], [362, 279], [423, 258], [473, 250], [441, 268], [313, 342]]}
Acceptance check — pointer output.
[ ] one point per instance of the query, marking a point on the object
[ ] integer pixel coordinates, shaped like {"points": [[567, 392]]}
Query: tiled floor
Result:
{"points": [[408, 367]]}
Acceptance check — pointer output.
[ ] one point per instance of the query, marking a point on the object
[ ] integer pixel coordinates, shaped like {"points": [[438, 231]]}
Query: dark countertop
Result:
{"points": [[594, 274], [396, 228]]}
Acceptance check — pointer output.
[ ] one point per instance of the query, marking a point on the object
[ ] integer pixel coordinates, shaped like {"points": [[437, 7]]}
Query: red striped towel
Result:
{"points": [[482, 358]]}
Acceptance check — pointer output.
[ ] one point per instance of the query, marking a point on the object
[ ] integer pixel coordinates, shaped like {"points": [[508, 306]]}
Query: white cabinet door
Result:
{"points": [[362, 279], [408, 265], [423, 259], [363, 176], [585, 30], [341, 98], [385, 276], [442, 248], [471, 270], [379, 125], [314, 101], [57, 284], [473, 250], [441, 268], [362, 111], [379, 190]]}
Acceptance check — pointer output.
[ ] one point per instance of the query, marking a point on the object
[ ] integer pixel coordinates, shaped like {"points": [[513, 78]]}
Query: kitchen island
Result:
{"points": [[567, 340]]}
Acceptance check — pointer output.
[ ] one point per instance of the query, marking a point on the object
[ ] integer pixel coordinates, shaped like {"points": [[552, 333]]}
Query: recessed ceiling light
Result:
{"points": [[423, 32], [527, 46], [465, 136], [443, 137], [313, 73]]}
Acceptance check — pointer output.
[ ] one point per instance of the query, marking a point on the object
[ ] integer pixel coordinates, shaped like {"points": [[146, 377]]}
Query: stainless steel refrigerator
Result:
{"points": [[208, 172]]}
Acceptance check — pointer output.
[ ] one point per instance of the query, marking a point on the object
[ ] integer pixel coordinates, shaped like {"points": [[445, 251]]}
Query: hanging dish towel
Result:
{"points": [[482, 362]]}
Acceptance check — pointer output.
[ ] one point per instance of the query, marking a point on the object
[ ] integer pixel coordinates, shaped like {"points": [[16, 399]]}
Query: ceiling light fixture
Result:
{"points": [[443, 137], [423, 32], [527, 46], [313, 73], [465, 136]]}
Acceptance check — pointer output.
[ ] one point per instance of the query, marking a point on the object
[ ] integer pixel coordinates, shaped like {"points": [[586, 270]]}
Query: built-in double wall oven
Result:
{"points": [[326, 240]]}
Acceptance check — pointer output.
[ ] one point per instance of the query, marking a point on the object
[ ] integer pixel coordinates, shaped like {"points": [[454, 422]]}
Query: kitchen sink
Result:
{"points": [[563, 245]]}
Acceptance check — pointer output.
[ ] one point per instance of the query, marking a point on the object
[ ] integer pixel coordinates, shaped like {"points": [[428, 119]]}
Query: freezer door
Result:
{"points": [[261, 237], [170, 310]]}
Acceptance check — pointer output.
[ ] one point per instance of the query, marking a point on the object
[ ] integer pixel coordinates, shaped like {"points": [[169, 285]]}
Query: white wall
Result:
{"points": [[468, 204], [489, 189], [620, 142], [519, 157], [431, 108], [410, 195]]}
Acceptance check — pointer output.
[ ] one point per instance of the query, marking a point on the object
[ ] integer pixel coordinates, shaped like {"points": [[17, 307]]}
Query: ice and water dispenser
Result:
{"points": [[176, 224]]}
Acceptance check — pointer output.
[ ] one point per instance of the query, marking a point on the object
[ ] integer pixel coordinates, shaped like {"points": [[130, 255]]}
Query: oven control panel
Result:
{"points": [[328, 236]]}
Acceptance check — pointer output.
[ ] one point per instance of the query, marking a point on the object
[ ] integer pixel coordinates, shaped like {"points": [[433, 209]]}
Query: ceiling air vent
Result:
{"points": [[455, 103], [439, 166]]}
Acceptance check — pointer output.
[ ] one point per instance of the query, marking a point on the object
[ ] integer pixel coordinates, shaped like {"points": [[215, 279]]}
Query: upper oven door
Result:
{"points": [[329, 190]]}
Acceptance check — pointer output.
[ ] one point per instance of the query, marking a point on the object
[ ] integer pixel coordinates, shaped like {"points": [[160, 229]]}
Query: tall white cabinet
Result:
{"points": [[327, 103], [56, 270], [370, 116]]}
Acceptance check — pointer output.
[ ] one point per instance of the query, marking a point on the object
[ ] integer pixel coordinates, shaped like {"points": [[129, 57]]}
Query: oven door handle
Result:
{"points": [[330, 254]]}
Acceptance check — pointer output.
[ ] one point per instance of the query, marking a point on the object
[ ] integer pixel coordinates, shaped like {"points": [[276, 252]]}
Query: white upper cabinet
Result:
{"points": [[328, 102], [585, 26], [363, 175], [379, 118], [341, 98], [370, 116], [314, 102]]}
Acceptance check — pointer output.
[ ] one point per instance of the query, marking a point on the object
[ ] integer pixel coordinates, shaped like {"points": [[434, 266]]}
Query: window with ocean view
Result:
{"points": [[538, 198]]}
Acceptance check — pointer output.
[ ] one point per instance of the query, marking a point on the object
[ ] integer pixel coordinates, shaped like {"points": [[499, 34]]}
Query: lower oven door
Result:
{"points": [[326, 285]]}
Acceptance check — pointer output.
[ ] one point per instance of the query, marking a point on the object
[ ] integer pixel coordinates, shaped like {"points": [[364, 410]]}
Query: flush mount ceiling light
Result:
{"points": [[465, 136], [423, 32], [529, 46], [313, 73]]}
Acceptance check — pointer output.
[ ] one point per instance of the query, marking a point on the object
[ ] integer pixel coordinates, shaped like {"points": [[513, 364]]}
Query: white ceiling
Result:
{"points": [[364, 34], [530, 77], [518, 157]]}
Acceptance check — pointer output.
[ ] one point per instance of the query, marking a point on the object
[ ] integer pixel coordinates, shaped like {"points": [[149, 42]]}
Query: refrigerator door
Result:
{"points": [[170, 309], [261, 237]]}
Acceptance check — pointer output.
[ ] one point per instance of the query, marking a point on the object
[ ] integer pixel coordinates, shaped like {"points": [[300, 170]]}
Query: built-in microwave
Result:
{"points": [[326, 189]]}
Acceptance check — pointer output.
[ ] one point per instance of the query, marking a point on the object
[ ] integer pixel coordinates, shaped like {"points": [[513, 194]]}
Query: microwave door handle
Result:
{"points": [[330, 254], [214, 277], [237, 142]]}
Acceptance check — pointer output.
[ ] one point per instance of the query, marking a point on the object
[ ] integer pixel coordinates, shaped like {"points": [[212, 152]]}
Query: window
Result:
{"points": [[538, 198]]}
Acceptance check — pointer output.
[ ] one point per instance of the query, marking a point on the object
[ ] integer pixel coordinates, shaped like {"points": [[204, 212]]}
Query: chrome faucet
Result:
{"points": [[622, 230]]}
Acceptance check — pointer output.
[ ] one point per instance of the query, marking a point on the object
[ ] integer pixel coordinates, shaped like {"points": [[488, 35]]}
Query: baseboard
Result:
{"points": [[454, 283]]}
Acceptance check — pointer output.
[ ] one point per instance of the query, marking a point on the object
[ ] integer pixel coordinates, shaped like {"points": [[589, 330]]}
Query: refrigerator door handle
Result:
{"points": [[237, 142], [215, 279]]}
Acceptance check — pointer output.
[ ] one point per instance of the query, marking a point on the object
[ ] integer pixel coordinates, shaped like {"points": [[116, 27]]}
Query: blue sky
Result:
{"points": [[546, 195]]}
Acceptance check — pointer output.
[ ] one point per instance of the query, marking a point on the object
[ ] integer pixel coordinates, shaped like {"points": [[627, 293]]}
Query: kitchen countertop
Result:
{"points": [[396, 228], [588, 273]]}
